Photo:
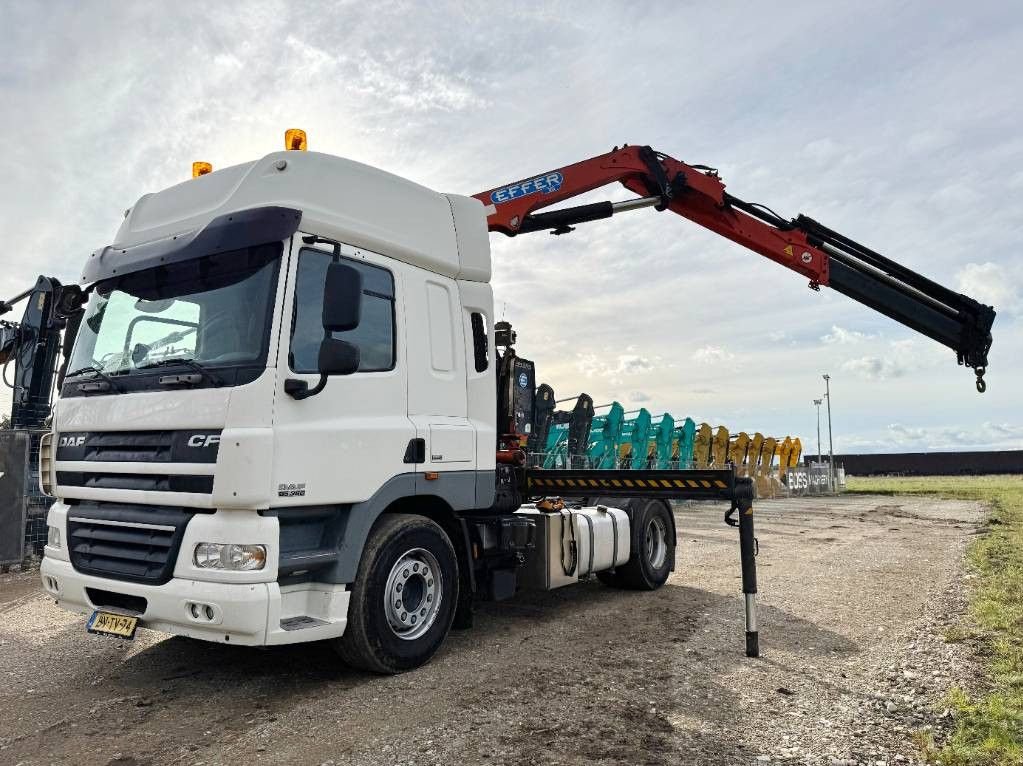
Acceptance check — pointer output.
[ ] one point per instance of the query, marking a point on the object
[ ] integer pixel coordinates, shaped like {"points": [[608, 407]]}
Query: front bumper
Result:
{"points": [[249, 614], [213, 608], [240, 611]]}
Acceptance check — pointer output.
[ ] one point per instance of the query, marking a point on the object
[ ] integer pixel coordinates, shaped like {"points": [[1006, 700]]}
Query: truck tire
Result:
{"points": [[652, 547], [403, 598]]}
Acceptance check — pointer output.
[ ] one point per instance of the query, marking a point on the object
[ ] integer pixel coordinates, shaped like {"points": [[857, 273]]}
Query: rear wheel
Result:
{"points": [[652, 547], [403, 598]]}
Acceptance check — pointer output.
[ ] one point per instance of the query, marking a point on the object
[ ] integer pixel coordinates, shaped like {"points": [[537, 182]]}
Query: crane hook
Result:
{"points": [[981, 385]]}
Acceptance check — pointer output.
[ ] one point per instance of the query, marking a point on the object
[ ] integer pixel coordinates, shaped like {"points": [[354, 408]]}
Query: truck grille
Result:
{"points": [[108, 460], [140, 446], [152, 482], [126, 542]]}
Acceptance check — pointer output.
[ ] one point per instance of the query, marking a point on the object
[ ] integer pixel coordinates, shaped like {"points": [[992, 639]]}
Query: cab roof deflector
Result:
{"points": [[231, 231]]}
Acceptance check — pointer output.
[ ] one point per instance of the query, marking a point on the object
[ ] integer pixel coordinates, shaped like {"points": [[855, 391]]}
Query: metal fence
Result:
{"points": [[37, 505], [23, 507]]}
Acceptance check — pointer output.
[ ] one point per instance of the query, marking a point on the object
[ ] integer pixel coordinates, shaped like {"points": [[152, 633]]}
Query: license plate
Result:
{"points": [[111, 624]]}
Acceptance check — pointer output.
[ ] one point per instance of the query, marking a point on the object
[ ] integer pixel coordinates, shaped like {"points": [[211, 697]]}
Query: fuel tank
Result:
{"points": [[574, 543]]}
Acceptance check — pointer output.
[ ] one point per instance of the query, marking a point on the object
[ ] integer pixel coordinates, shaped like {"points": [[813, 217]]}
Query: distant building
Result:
{"points": [[930, 463]]}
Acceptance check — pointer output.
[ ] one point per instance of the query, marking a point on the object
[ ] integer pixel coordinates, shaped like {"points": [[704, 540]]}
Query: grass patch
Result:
{"points": [[989, 728]]}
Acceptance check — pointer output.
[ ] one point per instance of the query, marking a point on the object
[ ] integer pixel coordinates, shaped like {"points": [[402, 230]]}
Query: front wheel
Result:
{"points": [[404, 595]]}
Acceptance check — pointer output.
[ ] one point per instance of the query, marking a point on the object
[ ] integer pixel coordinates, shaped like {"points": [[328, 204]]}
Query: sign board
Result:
{"points": [[14, 449], [808, 480]]}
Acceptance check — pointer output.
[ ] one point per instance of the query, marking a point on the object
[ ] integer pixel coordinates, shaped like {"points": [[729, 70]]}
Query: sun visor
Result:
{"points": [[231, 231]]}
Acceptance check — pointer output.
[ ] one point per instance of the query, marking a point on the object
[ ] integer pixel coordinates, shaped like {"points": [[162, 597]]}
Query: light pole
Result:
{"points": [[818, 402], [831, 449]]}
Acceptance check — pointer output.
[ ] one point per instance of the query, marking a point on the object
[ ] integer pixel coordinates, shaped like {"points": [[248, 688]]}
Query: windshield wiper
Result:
{"points": [[201, 371], [105, 382]]}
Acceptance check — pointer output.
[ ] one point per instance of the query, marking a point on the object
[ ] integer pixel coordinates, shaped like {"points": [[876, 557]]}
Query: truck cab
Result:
{"points": [[192, 488], [280, 423]]}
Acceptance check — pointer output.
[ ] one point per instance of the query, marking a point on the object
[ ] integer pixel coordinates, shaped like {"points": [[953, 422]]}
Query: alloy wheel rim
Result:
{"points": [[413, 594], [656, 543]]}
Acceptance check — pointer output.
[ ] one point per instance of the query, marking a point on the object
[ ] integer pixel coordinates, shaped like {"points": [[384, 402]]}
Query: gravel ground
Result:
{"points": [[857, 594]]}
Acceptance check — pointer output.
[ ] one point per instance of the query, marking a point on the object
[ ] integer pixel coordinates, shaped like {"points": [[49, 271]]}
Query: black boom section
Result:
{"points": [[699, 484], [952, 319], [968, 332]]}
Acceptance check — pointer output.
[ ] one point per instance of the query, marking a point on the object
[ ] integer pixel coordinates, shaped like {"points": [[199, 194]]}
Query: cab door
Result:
{"points": [[345, 443], [437, 396]]}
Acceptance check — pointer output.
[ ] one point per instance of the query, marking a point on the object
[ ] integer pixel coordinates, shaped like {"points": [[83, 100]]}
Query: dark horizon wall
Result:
{"points": [[929, 463]]}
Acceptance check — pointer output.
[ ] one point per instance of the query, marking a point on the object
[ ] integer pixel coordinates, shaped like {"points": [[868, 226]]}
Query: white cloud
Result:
{"points": [[874, 368], [612, 367], [985, 435], [841, 336], [991, 283], [956, 195], [822, 150], [929, 140], [630, 364], [713, 355]]}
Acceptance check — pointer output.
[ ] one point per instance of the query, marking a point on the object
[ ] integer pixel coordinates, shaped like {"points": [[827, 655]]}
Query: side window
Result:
{"points": [[375, 334], [480, 348]]}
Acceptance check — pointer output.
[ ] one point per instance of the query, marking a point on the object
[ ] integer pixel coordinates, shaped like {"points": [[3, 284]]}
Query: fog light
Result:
{"points": [[53, 537], [238, 558]]}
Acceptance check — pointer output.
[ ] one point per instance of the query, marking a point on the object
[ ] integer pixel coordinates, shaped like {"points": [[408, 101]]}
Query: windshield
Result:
{"points": [[213, 311]]}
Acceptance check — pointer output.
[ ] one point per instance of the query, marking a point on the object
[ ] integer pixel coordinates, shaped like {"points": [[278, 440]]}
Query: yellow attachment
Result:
{"points": [[784, 450], [719, 448], [701, 446], [756, 443], [201, 169], [738, 449], [797, 452], [294, 140], [767, 453]]}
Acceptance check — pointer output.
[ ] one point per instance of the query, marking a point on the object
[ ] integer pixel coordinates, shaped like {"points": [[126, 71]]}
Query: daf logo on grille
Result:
{"points": [[203, 440], [71, 441]]}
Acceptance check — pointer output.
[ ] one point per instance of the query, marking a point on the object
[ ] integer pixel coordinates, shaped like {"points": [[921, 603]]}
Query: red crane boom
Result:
{"points": [[803, 245]]}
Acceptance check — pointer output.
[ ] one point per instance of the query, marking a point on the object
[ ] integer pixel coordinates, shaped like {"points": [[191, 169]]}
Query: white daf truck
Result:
{"points": [[288, 415]]}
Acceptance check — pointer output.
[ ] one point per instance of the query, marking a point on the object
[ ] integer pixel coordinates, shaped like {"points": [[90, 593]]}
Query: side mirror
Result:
{"points": [[342, 298], [70, 300], [338, 357], [342, 311]]}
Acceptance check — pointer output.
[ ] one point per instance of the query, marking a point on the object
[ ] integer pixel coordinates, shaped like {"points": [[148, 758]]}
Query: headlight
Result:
{"points": [[53, 537], [238, 558]]}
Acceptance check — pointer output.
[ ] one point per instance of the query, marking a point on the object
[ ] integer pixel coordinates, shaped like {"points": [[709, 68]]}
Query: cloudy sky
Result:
{"points": [[895, 123]]}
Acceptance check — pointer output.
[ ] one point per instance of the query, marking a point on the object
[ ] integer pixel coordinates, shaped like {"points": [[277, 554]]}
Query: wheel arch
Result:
{"points": [[439, 511]]}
